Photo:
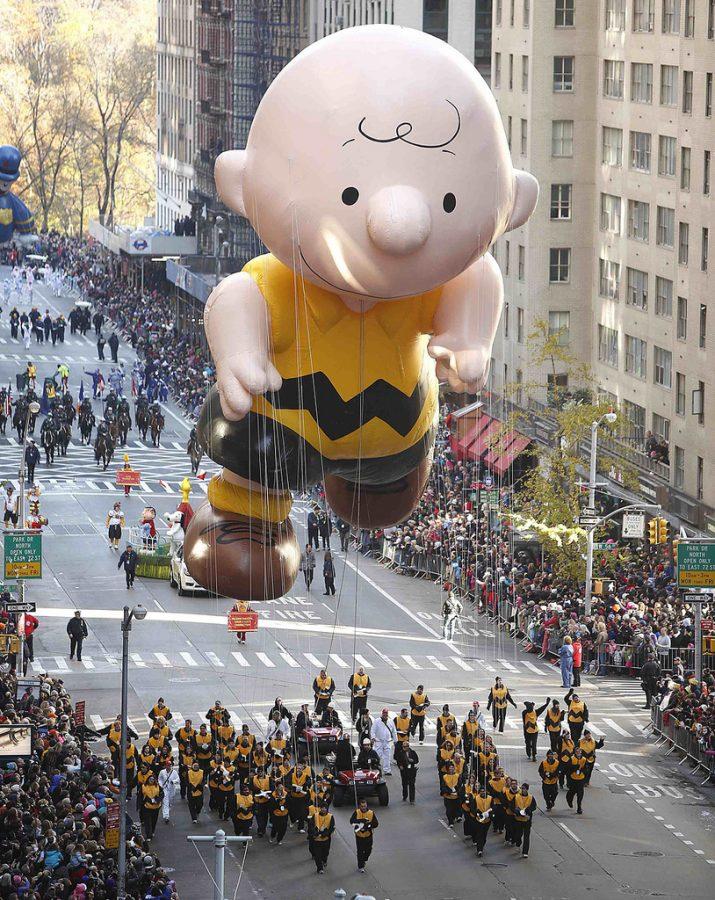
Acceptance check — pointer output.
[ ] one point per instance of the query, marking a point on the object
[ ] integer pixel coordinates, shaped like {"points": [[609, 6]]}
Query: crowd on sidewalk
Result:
{"points": [[53, 808]]}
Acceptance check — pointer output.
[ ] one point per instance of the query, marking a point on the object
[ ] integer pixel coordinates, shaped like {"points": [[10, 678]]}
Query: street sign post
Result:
{"points": [[604, 545], [23, 554], [633, 525], [28, 606], [589, 511], [588, 521], [111, 827], [697, 600], [696, 564]]}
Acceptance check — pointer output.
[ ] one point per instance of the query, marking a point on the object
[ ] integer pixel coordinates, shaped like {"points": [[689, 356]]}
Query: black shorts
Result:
{"points": [[10, 517], [264, 451], [115, 532]]}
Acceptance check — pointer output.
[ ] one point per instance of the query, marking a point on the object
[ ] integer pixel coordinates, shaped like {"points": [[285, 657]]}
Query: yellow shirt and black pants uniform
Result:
{"points": [[320, 829], [261, 787], [554, 718], [498, 699], [530, 717], [242, 814], [359, 686], [577, 716], [299, 786], [549, 774], [523, 811], [480, 809], [322, 691], [364, 824], [195, 792], [589, 747], [279, 817], [151, 804], [450, 795], [577, 781], [418, 709]]}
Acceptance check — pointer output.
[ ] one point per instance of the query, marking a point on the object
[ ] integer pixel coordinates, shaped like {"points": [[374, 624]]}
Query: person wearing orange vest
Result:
{"points": [[364, 822], [576, 779], [499, 696], [549, 774], [523, 806], [320, 828]]}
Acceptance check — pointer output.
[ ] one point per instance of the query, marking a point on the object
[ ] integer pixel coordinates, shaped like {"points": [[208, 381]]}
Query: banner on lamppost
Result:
{"points": [[111, 827], [79, 711]]}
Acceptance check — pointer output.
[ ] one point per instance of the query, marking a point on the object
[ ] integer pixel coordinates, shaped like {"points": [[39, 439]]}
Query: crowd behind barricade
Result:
{"points": [[53, 808]]}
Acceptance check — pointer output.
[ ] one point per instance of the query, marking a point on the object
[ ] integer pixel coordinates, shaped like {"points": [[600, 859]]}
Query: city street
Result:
{"points": [[648, 827]]}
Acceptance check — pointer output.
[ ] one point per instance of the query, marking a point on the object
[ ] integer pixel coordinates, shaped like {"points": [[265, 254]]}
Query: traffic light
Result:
{"points": [[653, 531], [662, 531]]}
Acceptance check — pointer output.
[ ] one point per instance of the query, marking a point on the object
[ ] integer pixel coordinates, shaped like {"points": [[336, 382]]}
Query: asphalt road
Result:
{"points": [[647, 828]]}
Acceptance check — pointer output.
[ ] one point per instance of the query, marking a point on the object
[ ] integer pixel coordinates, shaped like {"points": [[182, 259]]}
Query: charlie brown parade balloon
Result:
{"points": [[377, 174]]}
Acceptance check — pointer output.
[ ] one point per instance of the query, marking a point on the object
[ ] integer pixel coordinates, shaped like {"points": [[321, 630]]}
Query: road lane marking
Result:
{"points": [[240, 658], [338, 661], [213, 659], [267, 661], [360, 660], [61, 664], [137, 660], [616, 727], [569, 832], [163, 660], [313, 660], [596, 730], [507, 665], [97, 721], [410, 662], [382, 656], [530, 665], [88, 662], [486, 665], [437, 664], [461, 663]]}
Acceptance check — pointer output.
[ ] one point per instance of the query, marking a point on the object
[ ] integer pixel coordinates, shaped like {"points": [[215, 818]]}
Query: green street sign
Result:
{"points": [[696, 565], [23, 554], [604, 545]]}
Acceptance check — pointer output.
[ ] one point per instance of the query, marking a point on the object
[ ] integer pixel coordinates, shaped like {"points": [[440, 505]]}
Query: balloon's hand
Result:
{"points": [[243, 376], [465, 370]]}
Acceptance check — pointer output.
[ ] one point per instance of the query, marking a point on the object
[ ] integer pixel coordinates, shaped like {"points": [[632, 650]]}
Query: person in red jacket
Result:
{"points": [[577, 659], [31, 626]]}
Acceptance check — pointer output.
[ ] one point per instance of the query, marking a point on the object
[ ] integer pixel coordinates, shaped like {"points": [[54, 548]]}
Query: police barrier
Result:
{"points": [[675, 735]]}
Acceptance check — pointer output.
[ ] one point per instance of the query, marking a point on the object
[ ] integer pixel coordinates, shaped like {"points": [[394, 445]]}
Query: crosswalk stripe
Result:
{"points": [[137, 660], [185, 655], [93, 485], [213, 659], [616, 727], [596, 730], [240, 658], [97, 721], [261, 719], [410, 662], [36, 667], [511, 724], [163, 660], [531, 666], [461, 663], [61, 664], [361, 661], [88, 662], [266, 660], [507, 665], [293, 663], [437, 664], [486, 665], [177, 445], [235, 719], [382, 656], [338, 661], [177, 720], [314, 661]]}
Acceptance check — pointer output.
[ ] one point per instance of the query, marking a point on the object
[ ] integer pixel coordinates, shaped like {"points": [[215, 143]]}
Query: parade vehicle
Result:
{"points": [[360, 783], [320, 739], [179, 577]]}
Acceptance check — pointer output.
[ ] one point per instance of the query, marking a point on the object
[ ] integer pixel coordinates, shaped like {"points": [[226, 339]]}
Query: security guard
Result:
{"points": [[323, 688], [481, 807], [320, 829], [576, 779], [529, 718], [261, 787], [159, 710], [499, 696], [185, 735], [419, 704], [588, 746], [549, 774], [243, 812], [446, 722], [279, 814], [195, 790], [359, 684], [402, 727], [554, 718], [364, 821], [524, 806], [577, 714]]}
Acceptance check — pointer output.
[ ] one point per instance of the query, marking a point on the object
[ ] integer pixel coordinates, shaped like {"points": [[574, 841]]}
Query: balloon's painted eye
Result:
{"points": [[350, 196], [449, 202]]}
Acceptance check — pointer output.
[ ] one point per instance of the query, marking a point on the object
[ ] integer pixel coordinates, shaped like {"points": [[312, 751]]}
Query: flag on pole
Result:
{"points": [[7, 405], [81, 390]]}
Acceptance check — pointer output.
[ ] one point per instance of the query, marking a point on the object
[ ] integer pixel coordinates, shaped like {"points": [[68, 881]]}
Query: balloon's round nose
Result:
{"points": [[398, 220]]}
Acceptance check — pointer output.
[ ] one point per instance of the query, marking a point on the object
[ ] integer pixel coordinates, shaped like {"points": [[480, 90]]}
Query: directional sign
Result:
{"points": [[23, 554], [589, 511], [696, 564], [604, 545], [28, 606], [588, 521]]}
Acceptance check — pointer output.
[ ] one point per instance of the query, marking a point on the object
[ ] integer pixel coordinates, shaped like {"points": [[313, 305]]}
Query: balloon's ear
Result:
{"points": [[526, 193], [228, 172]]}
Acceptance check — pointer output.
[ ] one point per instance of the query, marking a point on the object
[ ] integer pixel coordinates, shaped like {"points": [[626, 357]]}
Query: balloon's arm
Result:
{"points": [[238, 328], [465, 324]]}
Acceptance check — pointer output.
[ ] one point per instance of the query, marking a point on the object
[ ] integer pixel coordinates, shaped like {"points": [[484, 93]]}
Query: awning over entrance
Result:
{"points": [[487, 439]]}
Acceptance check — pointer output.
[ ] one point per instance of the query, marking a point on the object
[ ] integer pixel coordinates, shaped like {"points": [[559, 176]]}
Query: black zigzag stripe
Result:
{"points": [[337, 417]]}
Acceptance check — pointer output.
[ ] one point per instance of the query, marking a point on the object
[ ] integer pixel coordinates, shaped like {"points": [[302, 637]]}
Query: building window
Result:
{"points": [[564, 13], [497, 12], [563, 74], [562, 137], [668, 85], [636, 356], [643, 15], [511, 71], [679, 394], [689, 18], [611, 146], [483, 36], [682, 323], [559, 264], [519, 325], [706, 173], [683, 243], [560, 201], [687, 92], [641, 82], [522, 263], [506, 321], [511, 12], [497, 70], [519, 389], [665, 227], [671, 16], [507, 257], [666, 156], [435, 18], [679, 476], [685, 168], [613, 77], [640, 150], [524, 137], [635, 416], [560, 325], [703, 326], [711, 19], [663, 297], [636, 288], [609, 278], [662, 367], [556, 386], [615, 15], [699, 479], [701, 412], [608, 346], [638, 220], [611, 213], [508, 130], [526, 14], [661, 428], [704, 248], [709, 94], [524, 73]]}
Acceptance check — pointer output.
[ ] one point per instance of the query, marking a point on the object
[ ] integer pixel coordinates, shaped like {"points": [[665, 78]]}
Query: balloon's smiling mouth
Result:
{"points": [[345, 290]]}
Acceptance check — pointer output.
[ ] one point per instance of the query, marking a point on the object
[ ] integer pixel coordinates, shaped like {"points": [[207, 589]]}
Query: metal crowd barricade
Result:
{"points": [[671, 732]]}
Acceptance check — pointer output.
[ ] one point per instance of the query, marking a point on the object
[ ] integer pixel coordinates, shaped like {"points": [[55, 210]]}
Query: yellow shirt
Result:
{"points": [[319, 349]]}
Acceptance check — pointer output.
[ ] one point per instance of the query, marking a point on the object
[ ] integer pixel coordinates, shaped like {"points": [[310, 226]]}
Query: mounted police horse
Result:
{"points": [[141, 414], [103, 445], [48, 439], [194, 451], [86, 420], [157, 424], [3, 414], [124, 420]]}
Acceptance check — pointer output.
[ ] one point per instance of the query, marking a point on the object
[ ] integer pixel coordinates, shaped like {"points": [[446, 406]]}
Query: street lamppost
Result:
{"points": [[138, 613], [610, 418], [32, 410]]}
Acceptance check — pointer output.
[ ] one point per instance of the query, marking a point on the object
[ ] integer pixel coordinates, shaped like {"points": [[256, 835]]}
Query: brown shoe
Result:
{"points": [[376, 505], [235, 556]]}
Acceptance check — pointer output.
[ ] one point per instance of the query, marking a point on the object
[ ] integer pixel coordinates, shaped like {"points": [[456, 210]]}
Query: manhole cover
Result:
{"points": [[184, 680], [647, 853]]}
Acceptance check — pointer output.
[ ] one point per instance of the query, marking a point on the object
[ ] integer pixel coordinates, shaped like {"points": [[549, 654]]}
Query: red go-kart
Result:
{"points": [[362, 782], [320, 739]]}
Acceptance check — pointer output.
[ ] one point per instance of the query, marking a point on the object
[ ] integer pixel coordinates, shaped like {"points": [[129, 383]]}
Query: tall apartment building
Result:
{"points": [[609, 104], [175, 109]]}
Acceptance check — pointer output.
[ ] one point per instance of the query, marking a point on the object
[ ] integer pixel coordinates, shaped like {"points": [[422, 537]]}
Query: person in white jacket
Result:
{"points": [[276, 723], [384, 736], [169, 783], [451, 611]]}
